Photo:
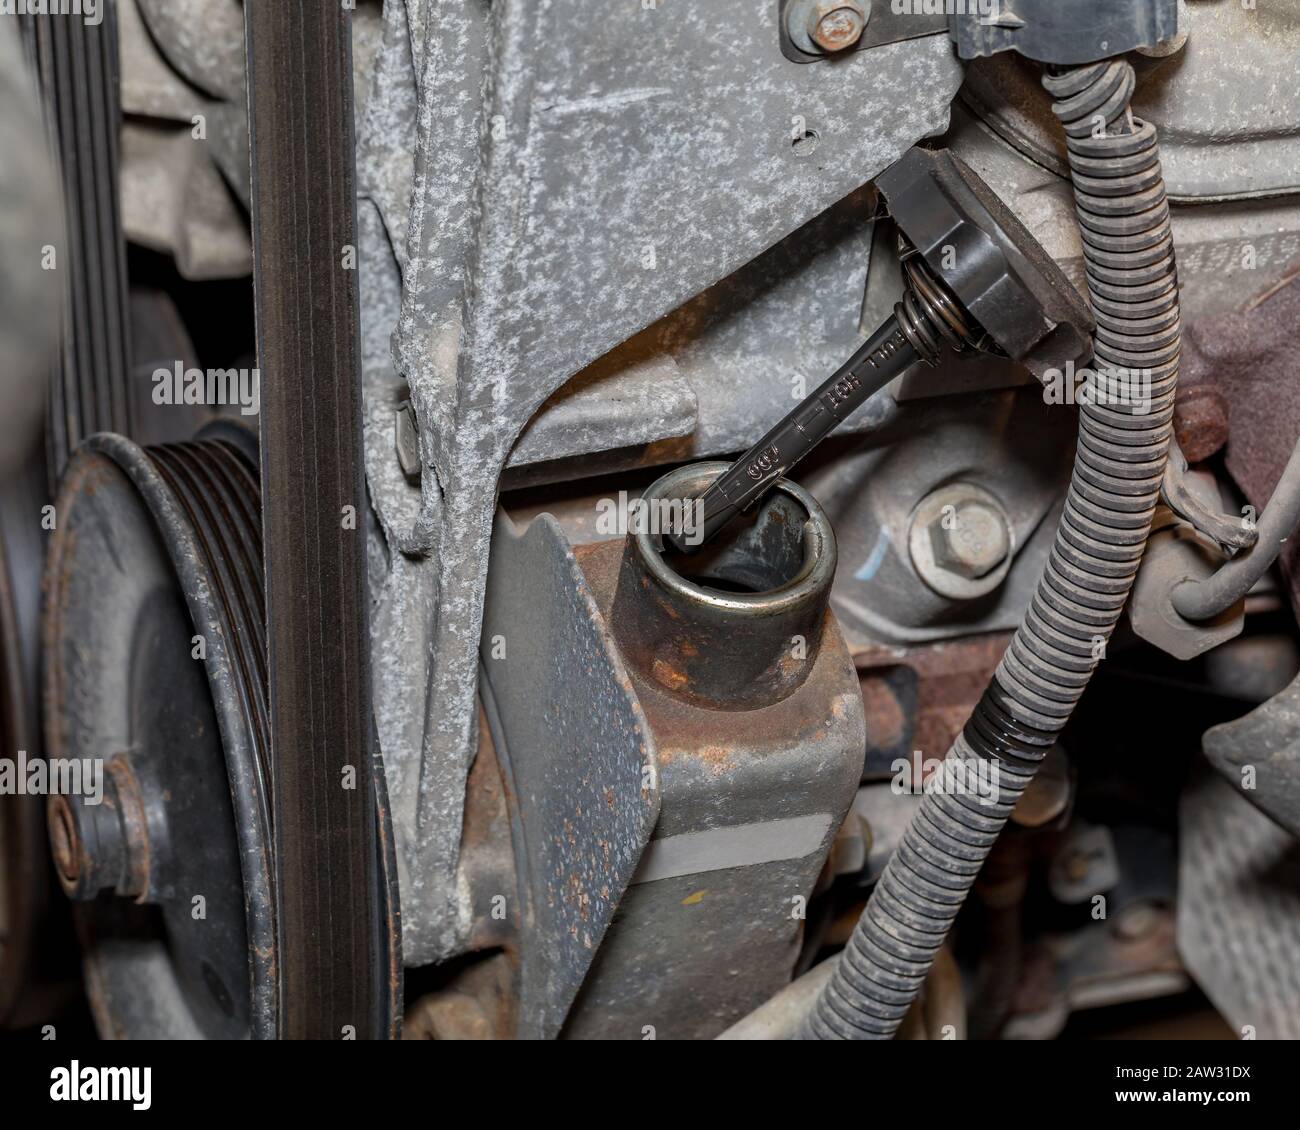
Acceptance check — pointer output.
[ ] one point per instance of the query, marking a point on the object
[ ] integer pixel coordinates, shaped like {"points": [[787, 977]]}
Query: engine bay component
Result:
{"points": [[975, 277], [1238, 879], [1176, 556], [185, 944], [729, 650], [336, 960], [748, 737], [1203, 514], [77, 67], [825, 26], [1063, 31], [470, 612], [1100, 542], [1259, 754], [541, 623], [486, 329], [1210, 597], [813, 30], [1000, 441], [962, 541]]}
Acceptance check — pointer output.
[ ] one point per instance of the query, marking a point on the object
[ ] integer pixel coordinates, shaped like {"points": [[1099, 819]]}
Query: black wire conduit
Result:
{"points": [[1120, 460]]}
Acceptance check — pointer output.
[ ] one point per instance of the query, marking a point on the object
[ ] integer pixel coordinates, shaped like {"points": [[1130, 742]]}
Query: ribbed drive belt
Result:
{"points": [[76, 64], [338, 974]]}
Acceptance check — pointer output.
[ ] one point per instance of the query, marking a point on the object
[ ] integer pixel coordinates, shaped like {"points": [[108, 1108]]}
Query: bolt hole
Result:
{"points": [[806, 145], [757, 553]]}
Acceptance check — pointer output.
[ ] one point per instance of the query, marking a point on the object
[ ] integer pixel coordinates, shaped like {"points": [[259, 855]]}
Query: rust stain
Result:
{"points": [[715, 754], [950, 677], [717, 759], [886, 723], [668, 675]]}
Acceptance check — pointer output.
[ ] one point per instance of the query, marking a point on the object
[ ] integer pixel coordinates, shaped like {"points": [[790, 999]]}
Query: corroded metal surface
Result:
{"points": [[529, 252], [743, 801], [750, 645], [751, 801], [918, 699], [579, 761], [1200, 421]]}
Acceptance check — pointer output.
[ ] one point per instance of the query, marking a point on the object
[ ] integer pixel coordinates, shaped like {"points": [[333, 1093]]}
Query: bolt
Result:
{"points": [[826, 26], [835, 25], [971, 540], [105, 846]]}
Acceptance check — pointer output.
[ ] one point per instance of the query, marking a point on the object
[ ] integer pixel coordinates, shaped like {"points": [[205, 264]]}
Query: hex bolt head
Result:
{"points": [[835, 25], [971, 539], [961, 541]]}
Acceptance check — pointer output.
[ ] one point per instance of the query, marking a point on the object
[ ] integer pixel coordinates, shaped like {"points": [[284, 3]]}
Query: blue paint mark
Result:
{"points": [[876, 558]]}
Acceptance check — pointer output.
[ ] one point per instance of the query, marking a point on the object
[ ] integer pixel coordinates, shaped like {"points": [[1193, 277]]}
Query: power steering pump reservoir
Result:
{"points": [[754, 707]]}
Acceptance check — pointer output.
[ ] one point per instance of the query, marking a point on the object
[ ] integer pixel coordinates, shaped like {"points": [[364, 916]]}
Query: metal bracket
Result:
{"points": [[580, 760], [1062, 31]]}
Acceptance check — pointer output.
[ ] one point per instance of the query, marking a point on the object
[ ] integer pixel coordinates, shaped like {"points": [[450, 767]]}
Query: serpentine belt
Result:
{"points": [[340, 973]]}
